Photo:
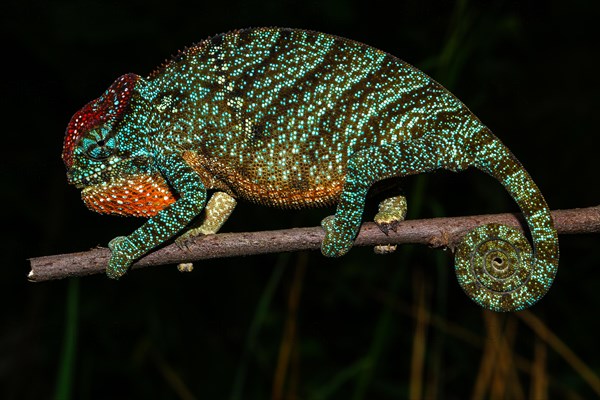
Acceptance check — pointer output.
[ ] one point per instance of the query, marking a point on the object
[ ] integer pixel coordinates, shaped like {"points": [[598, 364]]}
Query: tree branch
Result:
{"points": [[436, 232]]}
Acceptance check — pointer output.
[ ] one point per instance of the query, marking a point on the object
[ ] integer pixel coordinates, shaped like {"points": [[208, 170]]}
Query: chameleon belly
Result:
{"points": [[294, 194], [295, 118]]}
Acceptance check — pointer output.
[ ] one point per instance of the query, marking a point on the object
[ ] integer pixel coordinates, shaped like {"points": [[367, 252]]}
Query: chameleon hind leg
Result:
{"points": [[364, 168], [391, 211], [217, 211]]}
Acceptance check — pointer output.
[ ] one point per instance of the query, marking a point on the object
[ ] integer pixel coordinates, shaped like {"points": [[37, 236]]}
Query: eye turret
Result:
{"points": [[98, 144]]}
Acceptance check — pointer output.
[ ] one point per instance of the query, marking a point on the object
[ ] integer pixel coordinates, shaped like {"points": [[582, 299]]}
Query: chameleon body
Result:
{"points": [[294, 118]]}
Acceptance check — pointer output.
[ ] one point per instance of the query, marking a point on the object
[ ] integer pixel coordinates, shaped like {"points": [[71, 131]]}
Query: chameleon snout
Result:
{"points": [[79, 183]]}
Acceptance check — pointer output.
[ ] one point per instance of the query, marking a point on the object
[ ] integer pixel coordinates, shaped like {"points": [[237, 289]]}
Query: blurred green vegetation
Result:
{"points": [[299, 326]]}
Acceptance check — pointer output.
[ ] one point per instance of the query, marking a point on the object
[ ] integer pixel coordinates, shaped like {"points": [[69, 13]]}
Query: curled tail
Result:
{"points": [[495, 264]]}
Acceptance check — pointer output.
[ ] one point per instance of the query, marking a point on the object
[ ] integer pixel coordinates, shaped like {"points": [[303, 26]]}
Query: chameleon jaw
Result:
{"points": [[141, 195], [97, 177]]}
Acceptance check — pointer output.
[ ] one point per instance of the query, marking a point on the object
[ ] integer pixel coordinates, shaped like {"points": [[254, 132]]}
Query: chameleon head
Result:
{"points": [[104, 152]]}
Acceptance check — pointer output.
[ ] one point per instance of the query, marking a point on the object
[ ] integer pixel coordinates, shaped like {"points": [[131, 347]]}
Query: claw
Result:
{"points": [[183, 243], [385, 228], [187, 238]]}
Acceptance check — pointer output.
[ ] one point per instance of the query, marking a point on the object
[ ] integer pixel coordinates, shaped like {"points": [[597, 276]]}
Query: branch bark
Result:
{"points": [[435, 232]]}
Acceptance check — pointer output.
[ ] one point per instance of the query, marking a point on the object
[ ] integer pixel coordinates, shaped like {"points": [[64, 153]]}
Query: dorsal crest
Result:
{"points": [[108, 108]]}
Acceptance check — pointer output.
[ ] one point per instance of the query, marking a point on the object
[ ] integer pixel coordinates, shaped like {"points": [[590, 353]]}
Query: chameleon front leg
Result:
{"points": [[364, 168], [166, 223], [217, 210]]}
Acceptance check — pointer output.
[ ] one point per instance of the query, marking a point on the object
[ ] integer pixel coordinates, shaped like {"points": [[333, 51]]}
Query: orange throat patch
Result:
{"points": [[137, 195]]}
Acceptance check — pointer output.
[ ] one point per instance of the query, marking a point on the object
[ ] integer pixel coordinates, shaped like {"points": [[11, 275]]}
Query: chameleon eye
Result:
{"points": [[98, 144]]}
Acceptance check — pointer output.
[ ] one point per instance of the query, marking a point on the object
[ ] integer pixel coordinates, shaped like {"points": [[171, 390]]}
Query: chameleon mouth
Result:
{"points": [[142, 195], [95, 178]]}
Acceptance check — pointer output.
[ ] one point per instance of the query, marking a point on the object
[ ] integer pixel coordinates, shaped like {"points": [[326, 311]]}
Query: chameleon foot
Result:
{"points": [[494, 266], [185, 267], [391, 212], [218, 209], [337, 241], [122, 256], [184, 240], [385, 248]]}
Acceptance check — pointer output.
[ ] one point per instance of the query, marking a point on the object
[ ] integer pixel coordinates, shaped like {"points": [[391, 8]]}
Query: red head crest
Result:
{"points": [[105, 109]]}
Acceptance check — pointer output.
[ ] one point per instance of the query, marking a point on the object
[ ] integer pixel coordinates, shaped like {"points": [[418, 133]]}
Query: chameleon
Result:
{"points": [[294, 118]]}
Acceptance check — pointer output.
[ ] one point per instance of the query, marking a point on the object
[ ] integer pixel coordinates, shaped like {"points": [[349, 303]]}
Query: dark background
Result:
{"points": [[527, 69]]}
